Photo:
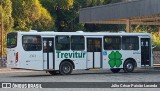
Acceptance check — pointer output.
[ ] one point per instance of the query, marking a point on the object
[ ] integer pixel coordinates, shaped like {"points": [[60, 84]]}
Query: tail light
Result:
{"points": [[16, 57]]}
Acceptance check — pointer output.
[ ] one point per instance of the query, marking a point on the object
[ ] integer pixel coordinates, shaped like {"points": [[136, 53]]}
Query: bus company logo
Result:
{"points": [[115, 59], [70, 55], [105, 53], [6, 85]]}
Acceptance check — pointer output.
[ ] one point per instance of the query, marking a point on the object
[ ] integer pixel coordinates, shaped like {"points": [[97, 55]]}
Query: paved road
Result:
{"points": [[149, 75]]}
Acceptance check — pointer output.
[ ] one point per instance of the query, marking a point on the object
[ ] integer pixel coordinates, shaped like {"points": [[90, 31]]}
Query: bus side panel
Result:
{"points": [[78, 58], [105, 59], [112, 61], [136, 55], [11, 57], [32, 60], [31, 55]]}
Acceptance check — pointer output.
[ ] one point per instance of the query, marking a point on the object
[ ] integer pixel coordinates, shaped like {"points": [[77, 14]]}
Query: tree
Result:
{"points": [[7, 19], [29, 14], [58, 8], [7, 16], [91, 3], [67, 15]]}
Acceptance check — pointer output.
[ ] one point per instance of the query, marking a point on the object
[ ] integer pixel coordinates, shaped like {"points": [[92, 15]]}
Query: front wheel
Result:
{"points": [[129, 66], [66, 68], [115, 70]]}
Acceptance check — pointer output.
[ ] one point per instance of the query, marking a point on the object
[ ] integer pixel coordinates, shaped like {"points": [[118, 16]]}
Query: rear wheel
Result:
{"points": [[116, 70], [66, 68], [129, 66]]}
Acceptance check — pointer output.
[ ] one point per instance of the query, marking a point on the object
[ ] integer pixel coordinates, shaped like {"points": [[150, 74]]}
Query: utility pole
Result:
{"points": [[1, 33]]}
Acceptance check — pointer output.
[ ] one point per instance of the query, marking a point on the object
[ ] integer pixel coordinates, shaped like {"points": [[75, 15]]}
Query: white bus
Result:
{"points": [[61, 52]]}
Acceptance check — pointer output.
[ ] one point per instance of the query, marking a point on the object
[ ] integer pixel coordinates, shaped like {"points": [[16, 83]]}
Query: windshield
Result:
{"points": [[11, 40]]}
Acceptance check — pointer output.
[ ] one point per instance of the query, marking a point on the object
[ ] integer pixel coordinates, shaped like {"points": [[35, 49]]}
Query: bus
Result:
{"points": [[63, 52]]}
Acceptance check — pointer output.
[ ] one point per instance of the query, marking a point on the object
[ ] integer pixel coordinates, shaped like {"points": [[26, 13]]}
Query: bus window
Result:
{"points": [[62, 43], [77, 42], [11, 40], [130, 43], [112, 43], [32, 43]]}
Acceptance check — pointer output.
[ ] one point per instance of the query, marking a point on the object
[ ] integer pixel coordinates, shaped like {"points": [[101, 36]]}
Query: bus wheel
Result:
{"points": [[116, 70], [66, 68], [128, 66], [55, 72]]}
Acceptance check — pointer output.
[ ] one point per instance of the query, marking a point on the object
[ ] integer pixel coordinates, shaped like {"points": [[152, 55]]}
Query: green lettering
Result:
{"points": [[79, 55], [70, 55], [83, 55], [62, 55], [73, 54], [58, 53], [76, 55], [66, 55]]}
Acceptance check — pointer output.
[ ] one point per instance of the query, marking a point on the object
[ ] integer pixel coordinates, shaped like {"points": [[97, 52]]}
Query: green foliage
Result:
{"points": [[7, 20], [144, 28], [97, 2], [7, 17], [63, 4], [156, 40], [29, 14], [67, 15], [61, 11]]}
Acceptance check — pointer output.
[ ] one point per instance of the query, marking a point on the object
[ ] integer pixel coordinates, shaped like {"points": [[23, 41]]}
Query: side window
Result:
{"points": [[48, 45], [11, 40], [90, 45], [77, 42], [62, 42], [130, 43], [112, 43], [32, 43]]}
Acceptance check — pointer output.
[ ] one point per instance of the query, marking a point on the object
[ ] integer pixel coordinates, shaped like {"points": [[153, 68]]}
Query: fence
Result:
{"points": [[156, 58], [3, 62]]}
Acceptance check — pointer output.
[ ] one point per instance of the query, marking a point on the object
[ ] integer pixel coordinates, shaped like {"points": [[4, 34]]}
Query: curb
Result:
{"points": [[6, 70]]}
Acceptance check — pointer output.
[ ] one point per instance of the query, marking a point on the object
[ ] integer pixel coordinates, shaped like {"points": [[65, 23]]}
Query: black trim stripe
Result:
{"points": [[47, 54], [53, 53]]}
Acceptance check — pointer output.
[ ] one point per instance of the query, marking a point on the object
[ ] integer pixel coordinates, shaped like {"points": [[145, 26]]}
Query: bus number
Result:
{"points": [[32, 55]]}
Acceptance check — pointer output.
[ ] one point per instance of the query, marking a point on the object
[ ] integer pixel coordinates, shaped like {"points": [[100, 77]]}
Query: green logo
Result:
{"points": [[115, 59]]}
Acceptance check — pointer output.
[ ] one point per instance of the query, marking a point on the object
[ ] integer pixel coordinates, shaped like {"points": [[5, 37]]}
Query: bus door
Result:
{"points": [[145, 52], [94, 49], [48, 53]]}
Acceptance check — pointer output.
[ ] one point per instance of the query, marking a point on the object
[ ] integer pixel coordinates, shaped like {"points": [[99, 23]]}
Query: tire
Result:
{"points": [[129, 66], [116, 70], [65, 68], [55, 72]]}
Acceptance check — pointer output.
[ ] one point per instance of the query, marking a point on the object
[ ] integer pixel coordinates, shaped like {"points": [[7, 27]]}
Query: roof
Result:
{"points": [[138, 11], [84, 33]]}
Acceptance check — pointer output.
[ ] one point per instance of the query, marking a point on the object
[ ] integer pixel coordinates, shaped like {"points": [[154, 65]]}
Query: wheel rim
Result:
{"points": [[66, 69], [129, 66]]}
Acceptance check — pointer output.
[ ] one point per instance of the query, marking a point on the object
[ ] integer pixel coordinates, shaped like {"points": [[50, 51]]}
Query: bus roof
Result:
{"points": [[49, 33]]}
